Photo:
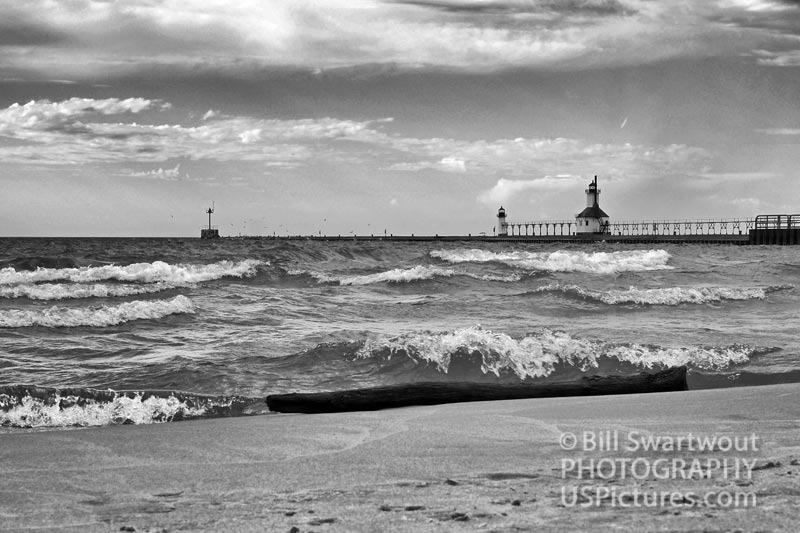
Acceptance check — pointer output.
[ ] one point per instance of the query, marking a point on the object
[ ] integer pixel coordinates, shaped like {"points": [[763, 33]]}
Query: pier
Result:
{"points": [[593, 225], [721, 231], [700, 227], [761, 230]]}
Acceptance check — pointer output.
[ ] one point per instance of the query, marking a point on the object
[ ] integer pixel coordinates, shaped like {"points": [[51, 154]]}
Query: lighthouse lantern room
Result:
{"points": [[592, 219]]}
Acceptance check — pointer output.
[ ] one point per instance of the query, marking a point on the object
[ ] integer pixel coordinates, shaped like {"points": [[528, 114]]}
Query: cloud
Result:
{"points": [[73, 132], [453, 164], [23, 121], [170, 174], [790, 58], [29, 34], [250, 136], [81, 131], [544, 7], [780, 131], [749, 203], [543, 156], [446, 164], [730, 177], [506, 189], [96, 37]]}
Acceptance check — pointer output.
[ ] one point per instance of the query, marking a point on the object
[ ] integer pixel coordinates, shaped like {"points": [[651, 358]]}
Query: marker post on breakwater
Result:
{"points": [[211, 232]]}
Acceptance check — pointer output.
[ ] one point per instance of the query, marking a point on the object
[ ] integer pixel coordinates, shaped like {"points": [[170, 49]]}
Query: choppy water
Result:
{"points": [[235, 318]]}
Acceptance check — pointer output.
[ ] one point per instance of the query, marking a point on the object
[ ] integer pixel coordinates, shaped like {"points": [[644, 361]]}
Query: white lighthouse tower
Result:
{"points": [[502, 226], [592, 219]]}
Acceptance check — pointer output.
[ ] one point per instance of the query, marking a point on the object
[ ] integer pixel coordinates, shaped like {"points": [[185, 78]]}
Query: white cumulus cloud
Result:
{"points": [[169, 174], [25, 120], [506, 189]]}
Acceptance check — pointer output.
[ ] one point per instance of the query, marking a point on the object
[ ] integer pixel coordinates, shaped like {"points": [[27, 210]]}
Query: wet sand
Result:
{"points": [[486, 466]]}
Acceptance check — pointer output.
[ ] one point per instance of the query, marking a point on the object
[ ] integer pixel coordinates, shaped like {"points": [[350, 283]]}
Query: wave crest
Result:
{"points": [[403, 275], [665, 295], [396, 275], [564, 261], [28, 406], [157, 271], [56, 316], [544, 353], [65, 291]]}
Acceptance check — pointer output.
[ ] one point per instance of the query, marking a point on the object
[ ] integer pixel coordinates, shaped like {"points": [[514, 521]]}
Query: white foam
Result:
{"points": [[537, 355], [527, 357], [33, 412], [65, 291], [57, 316], [402, 275], [564, 261], [510, 278], [157, 271], [663, 296], [396, 275], [707, 358]]}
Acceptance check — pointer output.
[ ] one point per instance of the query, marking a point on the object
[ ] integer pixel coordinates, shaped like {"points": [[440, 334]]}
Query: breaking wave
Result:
{"points": [[664, 296], [510, 278], [396, 275], [542, 354], [403, 275], [564, 261], [29, 406], [56, 316], [157, 271], [65, 291]]}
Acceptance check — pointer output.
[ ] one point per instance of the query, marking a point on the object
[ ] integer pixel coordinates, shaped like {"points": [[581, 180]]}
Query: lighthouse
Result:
{"points": [[502, 225], [592, 219]]}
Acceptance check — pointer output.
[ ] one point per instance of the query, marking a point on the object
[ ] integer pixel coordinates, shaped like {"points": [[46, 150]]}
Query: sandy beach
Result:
{"points": [[485, 466]]}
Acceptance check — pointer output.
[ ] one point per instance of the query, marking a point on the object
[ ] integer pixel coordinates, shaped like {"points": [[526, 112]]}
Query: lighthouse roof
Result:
{"points": [[592, 212]]}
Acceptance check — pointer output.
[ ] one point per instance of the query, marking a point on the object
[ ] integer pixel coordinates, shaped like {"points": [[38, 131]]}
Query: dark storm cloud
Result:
{"points": [[132, 38], [780, 16], [23, 33], [566, 7]]}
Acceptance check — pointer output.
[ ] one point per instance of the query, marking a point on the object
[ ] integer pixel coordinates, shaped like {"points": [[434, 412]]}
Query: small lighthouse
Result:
{"points": [[502, 225], [592, 219], [210, 232]]}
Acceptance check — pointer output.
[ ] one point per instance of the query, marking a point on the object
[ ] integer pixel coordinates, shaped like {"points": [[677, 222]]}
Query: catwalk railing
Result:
{"points": [[778, 222], [733, 226]]}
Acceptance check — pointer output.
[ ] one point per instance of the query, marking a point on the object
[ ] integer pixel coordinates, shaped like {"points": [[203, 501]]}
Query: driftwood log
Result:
{"points": [[432, 393]]}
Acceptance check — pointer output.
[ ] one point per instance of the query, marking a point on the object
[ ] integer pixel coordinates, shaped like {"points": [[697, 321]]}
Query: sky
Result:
{"points": [[362, 117]]}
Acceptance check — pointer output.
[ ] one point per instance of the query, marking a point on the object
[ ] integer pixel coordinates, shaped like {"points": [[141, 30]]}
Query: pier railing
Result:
{"points": [[778, 222], [732, 226], [542, 227]]}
